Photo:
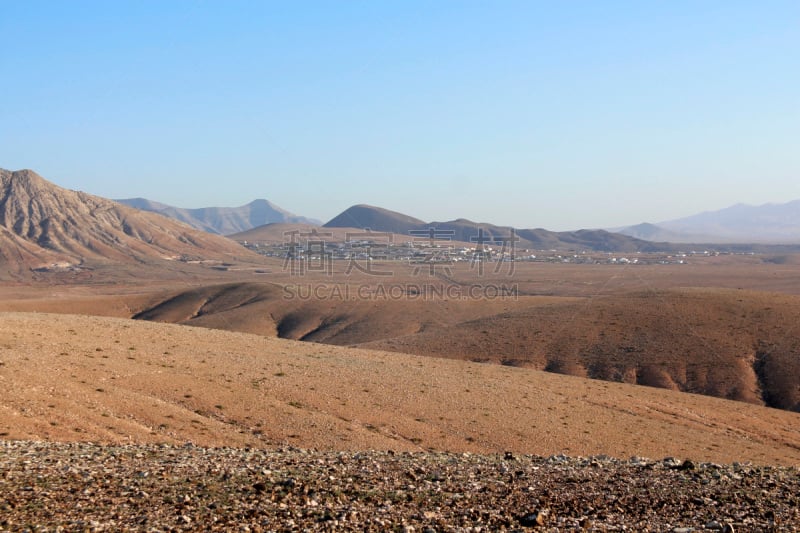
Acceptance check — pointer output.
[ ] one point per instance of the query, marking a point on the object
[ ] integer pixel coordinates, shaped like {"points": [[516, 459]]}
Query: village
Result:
{"points": [[317, 248]]}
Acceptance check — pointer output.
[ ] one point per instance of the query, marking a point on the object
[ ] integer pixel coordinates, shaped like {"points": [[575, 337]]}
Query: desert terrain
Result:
{"points": [[115, 380], [719, 326], [112, 424], [442, 394]]}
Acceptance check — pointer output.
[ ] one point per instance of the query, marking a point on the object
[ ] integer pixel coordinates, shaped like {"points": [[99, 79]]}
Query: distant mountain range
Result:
{"points": [[223, 220], [768, 223], [45, 227], [462, 230]]}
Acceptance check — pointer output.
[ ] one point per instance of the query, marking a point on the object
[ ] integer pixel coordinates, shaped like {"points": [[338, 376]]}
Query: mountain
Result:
{"points": [[45, 227], [652, 232], [223, 220], [768, 223], [375, 218], [145, 205], [463, 230]]}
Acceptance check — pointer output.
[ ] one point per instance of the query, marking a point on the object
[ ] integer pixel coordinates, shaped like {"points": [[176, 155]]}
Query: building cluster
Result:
{"points": [[425, 251]]}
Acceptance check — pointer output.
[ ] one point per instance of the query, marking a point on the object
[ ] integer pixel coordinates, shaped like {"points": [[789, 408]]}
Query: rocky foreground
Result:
{"points": [[88, 487]]}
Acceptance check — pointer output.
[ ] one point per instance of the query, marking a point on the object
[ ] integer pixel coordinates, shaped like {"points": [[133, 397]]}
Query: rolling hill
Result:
{"points": [[223, 220], [281, 233], [78, 378], [45, 227], [276, 311], [375, 218], [733, 344], [463, 230]]}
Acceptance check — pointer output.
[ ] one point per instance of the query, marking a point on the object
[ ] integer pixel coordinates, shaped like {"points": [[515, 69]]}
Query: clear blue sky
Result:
{"points": [[536, 114]]}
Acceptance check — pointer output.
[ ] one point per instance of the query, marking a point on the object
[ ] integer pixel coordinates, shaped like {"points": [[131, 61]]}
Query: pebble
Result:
{"points": [[72, 486], [536, 518]]}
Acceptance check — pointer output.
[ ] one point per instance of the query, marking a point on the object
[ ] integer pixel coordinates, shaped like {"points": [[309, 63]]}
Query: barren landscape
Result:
{"points": [[724, 327], [113, 380], [290, 426], [167, 379]]}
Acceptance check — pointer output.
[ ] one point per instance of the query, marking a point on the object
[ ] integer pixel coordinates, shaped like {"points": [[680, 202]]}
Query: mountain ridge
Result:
{"points": [[222, 220], [464, 230], [776, 223]]}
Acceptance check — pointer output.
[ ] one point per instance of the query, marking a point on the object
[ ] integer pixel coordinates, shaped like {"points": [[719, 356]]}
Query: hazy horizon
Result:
{"points": [[526, 114]]}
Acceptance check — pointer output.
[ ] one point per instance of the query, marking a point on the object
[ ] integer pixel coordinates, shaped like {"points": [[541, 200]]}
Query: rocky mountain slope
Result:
{"points": [[46, 227]]}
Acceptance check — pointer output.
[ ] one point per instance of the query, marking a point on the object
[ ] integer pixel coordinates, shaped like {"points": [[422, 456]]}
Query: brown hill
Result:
{"points": [[281, 233], [375, 218], [46, 227], [463, 230], [732, 344], [331, 314], [739, 345], [542, 239], [71, 378]]}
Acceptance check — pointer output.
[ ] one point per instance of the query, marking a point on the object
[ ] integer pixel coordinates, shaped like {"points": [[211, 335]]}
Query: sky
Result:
{"points": [[562, 115]]}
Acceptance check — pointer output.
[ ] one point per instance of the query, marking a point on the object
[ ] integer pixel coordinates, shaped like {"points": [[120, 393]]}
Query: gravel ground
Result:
{"points": [[89, 487]]}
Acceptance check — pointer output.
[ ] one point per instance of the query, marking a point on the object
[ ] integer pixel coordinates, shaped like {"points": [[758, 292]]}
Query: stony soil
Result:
{"points": [[88, 487], [144, 389]]}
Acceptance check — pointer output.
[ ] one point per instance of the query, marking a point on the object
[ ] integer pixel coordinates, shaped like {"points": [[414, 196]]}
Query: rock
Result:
{"points": [[534, 519]]}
